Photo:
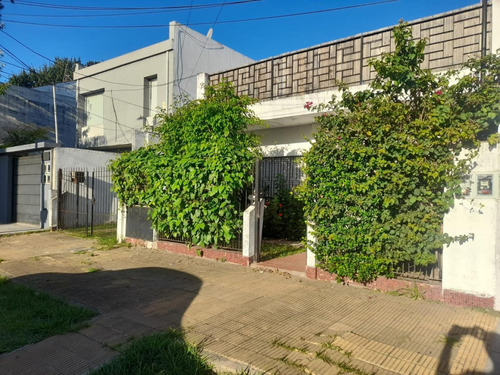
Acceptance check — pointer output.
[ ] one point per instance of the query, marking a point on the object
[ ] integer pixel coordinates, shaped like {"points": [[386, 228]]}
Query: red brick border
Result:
{"points": [[229, 256], [433, 292]]}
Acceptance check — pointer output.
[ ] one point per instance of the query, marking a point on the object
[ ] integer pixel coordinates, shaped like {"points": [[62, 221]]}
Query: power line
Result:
{"points": [[139, 86], [207, 23], [53, 61], [25, 46], [15, 65], [14, 56], [206, 41], [107, 9], [133, 13]]}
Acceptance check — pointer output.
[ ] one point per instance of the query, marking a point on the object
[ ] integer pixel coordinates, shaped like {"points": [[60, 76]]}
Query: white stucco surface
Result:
{"points": [[473, 267]]}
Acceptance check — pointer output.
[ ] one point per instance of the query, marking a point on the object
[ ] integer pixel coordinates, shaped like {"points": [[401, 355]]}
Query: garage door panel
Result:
{"points": [[28, 179], [28, 209], [28, 160], [28, 190], [30, 169], [26, 194], [31, 200], [28, 218]]}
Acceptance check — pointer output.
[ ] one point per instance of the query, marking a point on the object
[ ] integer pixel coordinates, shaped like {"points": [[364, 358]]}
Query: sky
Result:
{"points": [[36, 31]]}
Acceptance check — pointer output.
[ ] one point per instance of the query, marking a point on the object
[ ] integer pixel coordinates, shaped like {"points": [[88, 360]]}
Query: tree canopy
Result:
{"points": [[386, 163], [61, 70]]}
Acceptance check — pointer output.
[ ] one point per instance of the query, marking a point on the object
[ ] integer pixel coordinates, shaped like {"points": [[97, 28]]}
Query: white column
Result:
{"points": [[121, 225], [311, 257], [201, 81], [249, 232]]}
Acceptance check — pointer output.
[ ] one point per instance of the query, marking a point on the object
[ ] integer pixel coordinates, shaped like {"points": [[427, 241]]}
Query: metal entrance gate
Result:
{"points": [[85, 201], [272, 167]]}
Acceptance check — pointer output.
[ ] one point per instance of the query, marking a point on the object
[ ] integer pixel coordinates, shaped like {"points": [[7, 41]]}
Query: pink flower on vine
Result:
{"points": [[281, 205], [280, 214], [339, 138], [308, 105], [439, 92]]}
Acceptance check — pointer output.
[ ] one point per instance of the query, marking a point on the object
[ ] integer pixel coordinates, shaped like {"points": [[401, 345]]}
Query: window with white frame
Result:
{"points": [[151, 97], [94, 114]]}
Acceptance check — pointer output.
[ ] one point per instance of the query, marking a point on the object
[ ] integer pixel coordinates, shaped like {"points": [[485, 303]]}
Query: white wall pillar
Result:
{"points": [[311, 257], [121, 225], [249, 232], [201, 82]]}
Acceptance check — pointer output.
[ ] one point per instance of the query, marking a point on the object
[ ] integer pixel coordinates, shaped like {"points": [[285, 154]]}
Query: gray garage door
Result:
{"points": [[27, 175]]}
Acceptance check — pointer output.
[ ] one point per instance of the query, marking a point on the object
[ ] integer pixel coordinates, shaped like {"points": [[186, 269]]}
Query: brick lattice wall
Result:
{"points": [[452, 38]]}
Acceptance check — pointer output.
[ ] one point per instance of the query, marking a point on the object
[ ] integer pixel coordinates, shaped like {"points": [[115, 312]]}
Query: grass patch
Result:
{"points": [[271, 250], [93, 270], [28, 316], [105, 235], [163, 353], [2, 260]]}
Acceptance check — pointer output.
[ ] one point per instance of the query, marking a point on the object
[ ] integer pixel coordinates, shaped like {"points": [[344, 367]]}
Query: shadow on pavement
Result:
{"points": [[152, 291], [491, 341], [132, 303]]}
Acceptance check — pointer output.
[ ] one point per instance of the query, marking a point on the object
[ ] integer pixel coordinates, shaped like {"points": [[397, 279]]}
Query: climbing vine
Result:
{"points": [[386, 162], [192, 178]]}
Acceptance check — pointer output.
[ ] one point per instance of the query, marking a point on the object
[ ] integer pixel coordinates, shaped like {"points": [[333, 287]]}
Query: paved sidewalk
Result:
{"points": [[275, 322]]}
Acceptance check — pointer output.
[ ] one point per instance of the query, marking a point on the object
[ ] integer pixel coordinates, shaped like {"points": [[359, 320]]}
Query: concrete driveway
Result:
{"points": [[275, 322]]}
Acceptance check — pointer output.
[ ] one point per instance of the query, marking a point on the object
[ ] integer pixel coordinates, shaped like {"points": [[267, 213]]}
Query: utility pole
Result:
{"points": [[55, 112]]}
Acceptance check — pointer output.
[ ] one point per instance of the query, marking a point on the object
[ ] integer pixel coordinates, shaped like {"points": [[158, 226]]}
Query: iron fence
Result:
{"points": [[86, 201], [272, 167], [431, 272]]}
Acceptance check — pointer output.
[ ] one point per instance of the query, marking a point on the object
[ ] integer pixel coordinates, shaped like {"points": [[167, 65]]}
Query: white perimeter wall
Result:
{"points": [[473, 266]]}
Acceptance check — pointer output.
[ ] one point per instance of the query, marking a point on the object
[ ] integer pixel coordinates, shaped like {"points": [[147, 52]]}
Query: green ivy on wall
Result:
{"points": [[384, 166], [191, 179]]}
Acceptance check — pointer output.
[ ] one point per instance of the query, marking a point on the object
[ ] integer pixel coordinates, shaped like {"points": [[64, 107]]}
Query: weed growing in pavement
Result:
{"points": [[280, 344], [344, 366], [295, 364], [330, 345], [2, 260], [92, 270], [449, 341], [412, 292], [324, 357]]}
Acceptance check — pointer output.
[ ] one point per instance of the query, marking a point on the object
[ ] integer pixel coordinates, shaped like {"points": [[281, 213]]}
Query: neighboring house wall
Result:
{"points": [[118, 97], [20, 105]]}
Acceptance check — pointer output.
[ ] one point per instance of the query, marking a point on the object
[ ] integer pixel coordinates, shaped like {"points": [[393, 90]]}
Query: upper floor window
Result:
{"points": [[151, 96], [94, 110]]}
